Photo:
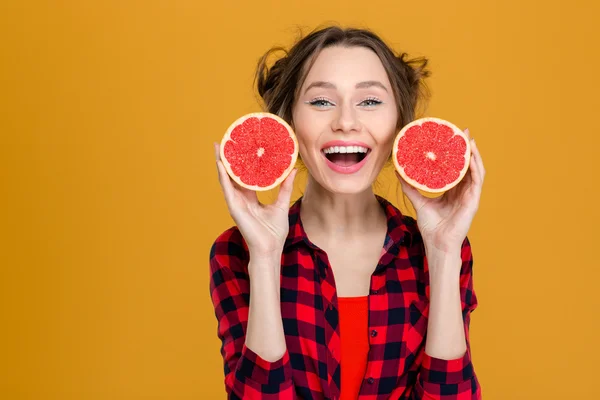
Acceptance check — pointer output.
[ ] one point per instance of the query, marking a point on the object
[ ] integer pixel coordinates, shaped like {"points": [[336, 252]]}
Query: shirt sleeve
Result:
{"points": [[247, 375], [453, 379]]}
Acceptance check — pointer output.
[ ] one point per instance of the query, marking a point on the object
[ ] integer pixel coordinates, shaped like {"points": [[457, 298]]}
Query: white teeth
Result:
{"points": [[345, 149]]}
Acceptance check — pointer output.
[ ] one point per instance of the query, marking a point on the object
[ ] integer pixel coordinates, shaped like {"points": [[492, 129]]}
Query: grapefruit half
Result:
{"points": [[259, 150], [431, 154]]}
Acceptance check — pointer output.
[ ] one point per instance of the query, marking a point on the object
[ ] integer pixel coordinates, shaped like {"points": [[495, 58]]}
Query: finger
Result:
{"points": [[227, 185], [475, 150], [413, 194], [217, 151], [475, 164], [285, 191], [475, 173], [457, 191], [225, 181]]}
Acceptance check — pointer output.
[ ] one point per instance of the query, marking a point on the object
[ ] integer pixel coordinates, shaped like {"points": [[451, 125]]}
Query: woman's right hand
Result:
{"points": [[264, 227]]}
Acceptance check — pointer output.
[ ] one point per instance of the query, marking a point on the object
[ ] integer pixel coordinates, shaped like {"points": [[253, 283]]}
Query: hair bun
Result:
{"points": [[267, 78]]}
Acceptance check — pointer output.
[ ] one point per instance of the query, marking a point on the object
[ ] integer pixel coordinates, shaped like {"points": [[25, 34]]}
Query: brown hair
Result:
{"points": [[278, 85]]}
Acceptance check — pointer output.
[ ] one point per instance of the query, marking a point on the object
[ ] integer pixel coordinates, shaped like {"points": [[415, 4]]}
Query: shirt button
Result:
{"points": [[375, 291], [373, 333], [370, 380]]}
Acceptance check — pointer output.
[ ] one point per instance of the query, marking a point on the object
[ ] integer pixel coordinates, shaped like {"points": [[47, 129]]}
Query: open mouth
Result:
{"points": [[346, 156]]}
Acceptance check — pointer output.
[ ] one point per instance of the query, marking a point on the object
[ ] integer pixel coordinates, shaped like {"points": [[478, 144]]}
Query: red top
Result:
{"points": [[397, 368], [354, 338]]}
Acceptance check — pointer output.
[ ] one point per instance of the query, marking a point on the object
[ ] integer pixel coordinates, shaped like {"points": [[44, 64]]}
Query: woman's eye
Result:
{"points": [[370, 102], [320, 103]]}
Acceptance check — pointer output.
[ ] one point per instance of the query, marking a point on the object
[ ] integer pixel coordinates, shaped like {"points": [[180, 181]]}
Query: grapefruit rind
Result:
{"points": [[227, 137], [416, 184]]}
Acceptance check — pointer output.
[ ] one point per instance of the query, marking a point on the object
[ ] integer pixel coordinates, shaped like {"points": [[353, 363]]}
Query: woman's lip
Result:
{"points": [[341, 143], [349, 169]]}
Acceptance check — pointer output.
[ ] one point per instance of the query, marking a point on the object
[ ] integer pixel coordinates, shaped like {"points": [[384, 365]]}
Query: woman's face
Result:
{"points": [[345, 119]]}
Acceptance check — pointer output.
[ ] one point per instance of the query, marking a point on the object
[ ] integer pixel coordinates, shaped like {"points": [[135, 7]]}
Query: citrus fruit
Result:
{"points": [[259, 150], [431, 154]]}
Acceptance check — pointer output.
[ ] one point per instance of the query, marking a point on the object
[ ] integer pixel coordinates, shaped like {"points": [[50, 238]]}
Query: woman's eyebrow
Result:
{"points": [[368, 84], [360, 85], [320, 84]]}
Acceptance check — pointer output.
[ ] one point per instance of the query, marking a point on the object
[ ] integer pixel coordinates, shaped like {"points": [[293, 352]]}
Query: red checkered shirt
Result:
{"points": [[397, 367]]}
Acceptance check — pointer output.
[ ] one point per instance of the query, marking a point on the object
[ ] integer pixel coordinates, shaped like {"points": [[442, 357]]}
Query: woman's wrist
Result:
{"points": [[442, 251], [265, 269]]}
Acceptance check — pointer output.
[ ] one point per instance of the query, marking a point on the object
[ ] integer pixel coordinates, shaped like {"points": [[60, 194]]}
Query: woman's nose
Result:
{"points": [[346, 120]]}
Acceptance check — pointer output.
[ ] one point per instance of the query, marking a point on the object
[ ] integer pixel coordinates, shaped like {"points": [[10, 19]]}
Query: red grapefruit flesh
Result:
{"points": [[259, 150], [431, 154]]}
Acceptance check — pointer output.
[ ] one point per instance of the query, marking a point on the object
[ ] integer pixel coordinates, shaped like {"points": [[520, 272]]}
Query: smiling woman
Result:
{"points": [[341, 296], [345, 103]]}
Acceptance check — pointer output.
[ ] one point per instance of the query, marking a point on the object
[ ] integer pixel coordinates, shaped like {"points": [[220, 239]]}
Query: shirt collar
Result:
{"points": [[397, 229]]}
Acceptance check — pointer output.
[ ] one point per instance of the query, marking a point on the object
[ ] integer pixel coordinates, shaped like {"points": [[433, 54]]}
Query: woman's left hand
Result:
{"points": [[444, 221]]}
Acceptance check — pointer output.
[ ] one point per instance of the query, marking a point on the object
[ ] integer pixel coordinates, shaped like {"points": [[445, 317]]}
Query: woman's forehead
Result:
{"points": [[342, 65]]}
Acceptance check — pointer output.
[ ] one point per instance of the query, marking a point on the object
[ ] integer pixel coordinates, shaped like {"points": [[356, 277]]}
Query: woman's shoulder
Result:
{"points": [[229, 249]]}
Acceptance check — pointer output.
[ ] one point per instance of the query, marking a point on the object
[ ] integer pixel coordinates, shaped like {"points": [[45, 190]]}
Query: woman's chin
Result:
{"points": [[343, 182], [347, 185]]}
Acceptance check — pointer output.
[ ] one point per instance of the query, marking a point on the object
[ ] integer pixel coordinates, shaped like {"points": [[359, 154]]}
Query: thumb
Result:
{"points": [[285, 191], [413, 194]]}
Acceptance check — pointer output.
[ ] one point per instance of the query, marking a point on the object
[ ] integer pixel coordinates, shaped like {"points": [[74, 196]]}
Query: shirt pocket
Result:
{"points": [[418, 313]]}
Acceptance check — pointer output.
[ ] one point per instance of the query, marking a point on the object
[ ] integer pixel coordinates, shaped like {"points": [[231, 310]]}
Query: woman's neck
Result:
{"points": [[342, 215]]}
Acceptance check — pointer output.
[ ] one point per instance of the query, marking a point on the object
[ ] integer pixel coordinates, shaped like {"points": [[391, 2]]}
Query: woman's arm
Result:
{"points": [[447, 371], [265, 327], [256, 361], [445, 329], [245, 267]]}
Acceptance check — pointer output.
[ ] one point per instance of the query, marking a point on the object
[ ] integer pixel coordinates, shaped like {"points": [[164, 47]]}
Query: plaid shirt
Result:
{"points": [[397, 368]]}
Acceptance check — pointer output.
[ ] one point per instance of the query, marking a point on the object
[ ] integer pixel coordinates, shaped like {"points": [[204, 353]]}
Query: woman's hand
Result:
{"points": [[444, 221], [264, 227]]}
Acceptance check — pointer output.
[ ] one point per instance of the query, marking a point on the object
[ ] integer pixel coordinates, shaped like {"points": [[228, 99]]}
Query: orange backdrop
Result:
{"points": [[110, 201]]}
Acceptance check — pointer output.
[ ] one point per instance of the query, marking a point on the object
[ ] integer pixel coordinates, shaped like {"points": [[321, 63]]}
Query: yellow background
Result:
{"points": [[110, 202]]}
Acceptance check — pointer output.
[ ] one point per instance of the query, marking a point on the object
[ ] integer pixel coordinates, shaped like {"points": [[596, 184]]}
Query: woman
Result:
{"points": [[341, 296]]}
